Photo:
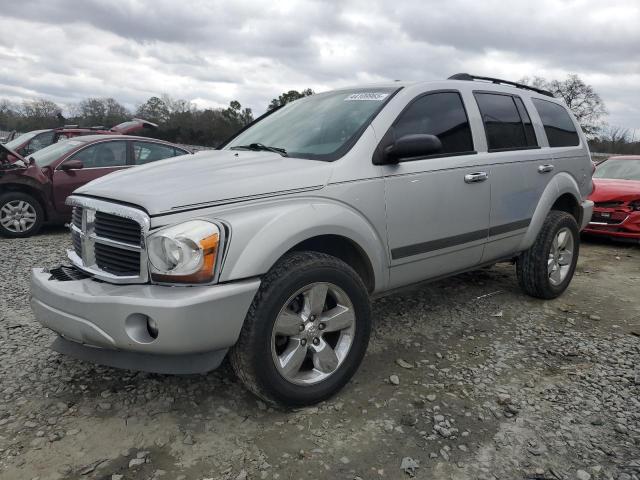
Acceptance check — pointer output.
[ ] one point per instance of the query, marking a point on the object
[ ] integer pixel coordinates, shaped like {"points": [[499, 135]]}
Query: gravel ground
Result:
{"points": [[465, 378]]}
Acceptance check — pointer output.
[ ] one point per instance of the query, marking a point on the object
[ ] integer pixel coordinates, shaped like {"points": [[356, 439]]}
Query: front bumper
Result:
{"points": [[613, 223], [107, 323], [587, 212]]}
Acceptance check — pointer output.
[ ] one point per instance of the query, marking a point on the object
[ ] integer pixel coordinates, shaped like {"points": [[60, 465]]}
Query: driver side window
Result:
{"points": [[441, 114], [103, 155]]}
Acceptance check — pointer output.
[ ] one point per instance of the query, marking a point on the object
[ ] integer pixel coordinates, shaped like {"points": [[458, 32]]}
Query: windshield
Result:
{"points": [[50, 154], [19, 140], [321, 127], [619, 169]]}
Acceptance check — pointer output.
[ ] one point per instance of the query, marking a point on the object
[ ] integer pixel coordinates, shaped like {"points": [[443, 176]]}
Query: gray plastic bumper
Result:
{"points": [[195, 322]]}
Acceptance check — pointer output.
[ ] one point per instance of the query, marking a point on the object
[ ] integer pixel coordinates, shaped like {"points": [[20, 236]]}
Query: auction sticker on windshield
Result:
{"points": [[372, 96]]}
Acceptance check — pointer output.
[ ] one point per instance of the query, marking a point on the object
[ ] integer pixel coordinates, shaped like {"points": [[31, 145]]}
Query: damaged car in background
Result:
{"points": [[33, 190], [616, 195]]}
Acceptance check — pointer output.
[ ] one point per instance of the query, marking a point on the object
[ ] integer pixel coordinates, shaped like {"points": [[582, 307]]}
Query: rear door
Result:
{"points": [[98, 159], [516, 160], [437, 206]]}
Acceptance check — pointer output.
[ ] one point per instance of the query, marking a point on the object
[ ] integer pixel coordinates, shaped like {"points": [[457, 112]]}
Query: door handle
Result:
{"points": [[545, 168], [476, 177]]}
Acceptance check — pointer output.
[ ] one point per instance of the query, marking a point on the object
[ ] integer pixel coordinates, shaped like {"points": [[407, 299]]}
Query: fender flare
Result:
{"points": [[562, 183], [260, 236]]}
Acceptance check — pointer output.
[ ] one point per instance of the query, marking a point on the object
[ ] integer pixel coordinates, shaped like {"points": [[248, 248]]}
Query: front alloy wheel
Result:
{"points": [[20, 215], [306, 331], [313, 333]]}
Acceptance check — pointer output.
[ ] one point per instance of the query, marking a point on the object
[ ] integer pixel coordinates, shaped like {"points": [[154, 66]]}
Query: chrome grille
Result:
{"points": [[76, 217], [108, 240], [117, 228], [116, 260]]}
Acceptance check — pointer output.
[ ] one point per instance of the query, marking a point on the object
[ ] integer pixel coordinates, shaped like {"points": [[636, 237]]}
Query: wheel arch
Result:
{"points": [[562, 193], [261, 237], [30, 190]]}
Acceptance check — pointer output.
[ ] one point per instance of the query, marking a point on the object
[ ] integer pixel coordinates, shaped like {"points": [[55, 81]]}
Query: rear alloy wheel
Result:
{"points": [[20, 215], [546, 269], [306, 331]]}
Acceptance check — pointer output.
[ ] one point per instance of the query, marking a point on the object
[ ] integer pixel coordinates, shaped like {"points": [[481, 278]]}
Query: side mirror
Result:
{"points": [[72, 165], [416, 145]]}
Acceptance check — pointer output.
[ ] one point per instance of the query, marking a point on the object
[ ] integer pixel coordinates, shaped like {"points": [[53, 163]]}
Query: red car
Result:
{"points": [[31, 142], [616, 196], [33, 190]]}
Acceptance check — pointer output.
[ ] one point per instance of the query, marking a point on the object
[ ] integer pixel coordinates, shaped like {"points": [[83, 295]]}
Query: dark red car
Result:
{"points": [[616, 196], [31, 142], [33, 190]]}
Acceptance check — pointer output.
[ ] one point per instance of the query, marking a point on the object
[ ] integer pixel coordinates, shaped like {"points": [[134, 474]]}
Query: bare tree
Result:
{"points": [[581, 98]]}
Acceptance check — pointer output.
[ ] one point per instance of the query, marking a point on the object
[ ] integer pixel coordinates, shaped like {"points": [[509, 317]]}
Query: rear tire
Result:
{"points": [[21, 215], [296, 350], [546, 269]]}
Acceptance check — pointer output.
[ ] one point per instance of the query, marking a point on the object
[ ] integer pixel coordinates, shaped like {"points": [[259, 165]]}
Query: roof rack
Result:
{"points": [[468, 77]]}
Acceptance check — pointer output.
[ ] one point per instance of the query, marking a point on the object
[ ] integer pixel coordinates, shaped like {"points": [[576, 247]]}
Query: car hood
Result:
{"points": [[609, 189], [208, 178]]}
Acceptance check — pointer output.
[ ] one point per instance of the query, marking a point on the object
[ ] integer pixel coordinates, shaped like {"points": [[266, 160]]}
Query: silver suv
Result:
{"points": [[270, 248]]}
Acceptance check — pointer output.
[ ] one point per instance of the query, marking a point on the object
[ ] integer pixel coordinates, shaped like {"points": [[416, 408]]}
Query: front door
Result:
{"points": [[97, 160], [437, 206]]}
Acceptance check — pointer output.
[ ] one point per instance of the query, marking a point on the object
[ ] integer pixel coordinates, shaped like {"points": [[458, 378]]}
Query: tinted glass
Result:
{"points": [[144, 152], [322, 126], [103, 154], [50, 154], [560, 130], [619, 170], [529, 133], [502, 123], [440, 114]]}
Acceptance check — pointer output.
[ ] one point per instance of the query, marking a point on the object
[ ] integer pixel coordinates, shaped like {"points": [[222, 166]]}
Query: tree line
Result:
{"points": [[178, 120], [182, 121]]}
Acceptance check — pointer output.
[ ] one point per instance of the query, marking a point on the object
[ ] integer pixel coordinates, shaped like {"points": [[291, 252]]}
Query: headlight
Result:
{"points": [[184, 253]]}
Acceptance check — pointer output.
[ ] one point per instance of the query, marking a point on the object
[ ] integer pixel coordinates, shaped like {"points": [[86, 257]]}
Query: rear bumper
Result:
{"points": [[111, 321], [587, 212]]}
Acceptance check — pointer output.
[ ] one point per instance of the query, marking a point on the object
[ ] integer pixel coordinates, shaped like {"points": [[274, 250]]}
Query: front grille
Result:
{"points": [[117, 228], [77, 242], [611, 220], [76, 217], [108, 240], [608, 204], [117, 260]]}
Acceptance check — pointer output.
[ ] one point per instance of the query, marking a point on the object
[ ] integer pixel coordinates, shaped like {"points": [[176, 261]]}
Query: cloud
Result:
{"points": [[215, 51]]}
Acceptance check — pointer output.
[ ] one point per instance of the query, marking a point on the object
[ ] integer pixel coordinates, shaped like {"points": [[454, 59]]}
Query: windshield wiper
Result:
{"points": [[260, 147]]}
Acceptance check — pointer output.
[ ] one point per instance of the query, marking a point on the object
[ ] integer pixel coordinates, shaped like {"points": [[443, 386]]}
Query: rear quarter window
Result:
{"points": [[558, 126]]}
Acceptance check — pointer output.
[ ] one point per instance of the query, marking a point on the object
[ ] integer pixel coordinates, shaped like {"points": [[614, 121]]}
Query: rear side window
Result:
{"points": [[441, 114], [560, 130], [146, 152], [506, 122]]}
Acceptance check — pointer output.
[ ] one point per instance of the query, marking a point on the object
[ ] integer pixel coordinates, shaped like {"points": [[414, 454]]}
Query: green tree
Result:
{"points": [[155, 110], [289, 96]]}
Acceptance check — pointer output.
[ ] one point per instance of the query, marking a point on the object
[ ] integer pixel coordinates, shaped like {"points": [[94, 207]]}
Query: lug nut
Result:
{"points": [[312, 318], [316, 341], [303, 342], [301, 327], [321, 326]]}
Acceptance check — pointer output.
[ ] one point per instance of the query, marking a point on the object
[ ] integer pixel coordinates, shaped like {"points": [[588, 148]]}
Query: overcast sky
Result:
{"points": [[211, 52]]}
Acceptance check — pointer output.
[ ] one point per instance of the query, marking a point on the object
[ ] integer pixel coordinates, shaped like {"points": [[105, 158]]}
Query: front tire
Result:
{"points": [[306, 331], [546, 269], [21, 215]]}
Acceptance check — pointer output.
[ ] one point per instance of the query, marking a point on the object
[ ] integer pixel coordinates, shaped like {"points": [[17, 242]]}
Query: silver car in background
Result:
{"points": [[270, 248]]}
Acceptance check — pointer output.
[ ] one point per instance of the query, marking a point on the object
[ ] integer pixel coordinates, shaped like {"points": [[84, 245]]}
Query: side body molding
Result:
{"points": [[560, 184], [261, 235]]}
